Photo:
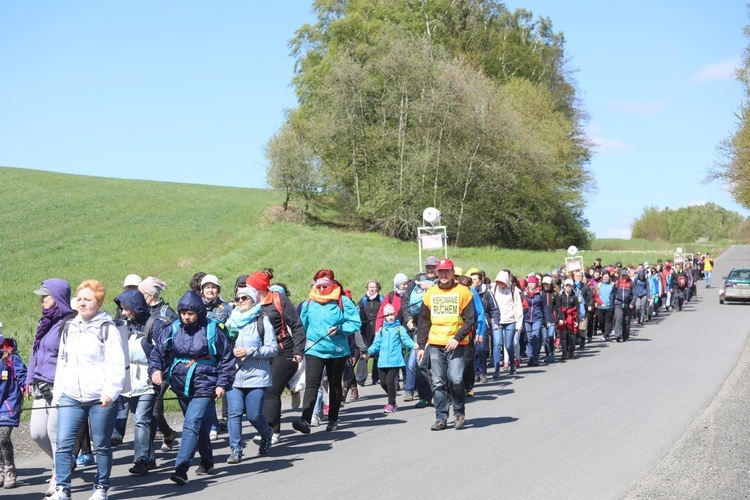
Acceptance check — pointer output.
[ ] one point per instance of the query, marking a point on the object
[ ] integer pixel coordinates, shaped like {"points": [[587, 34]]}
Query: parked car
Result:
{"points": [[736, 286]]}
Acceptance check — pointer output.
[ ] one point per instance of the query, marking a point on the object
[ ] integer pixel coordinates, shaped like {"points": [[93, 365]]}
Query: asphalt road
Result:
{"points": [[661, 416]]}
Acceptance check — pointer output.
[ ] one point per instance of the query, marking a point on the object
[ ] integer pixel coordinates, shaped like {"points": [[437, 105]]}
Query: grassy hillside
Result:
{"points": [[77, 227]]}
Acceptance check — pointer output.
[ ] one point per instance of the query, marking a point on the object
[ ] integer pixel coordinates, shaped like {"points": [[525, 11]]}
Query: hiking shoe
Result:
{"points": [[139, 469], [458, 422], [180, 478], [265, 445], [389, 408], [9, 481], [422, 404], [60, 494], [235, 457], [313, 423], [302, 426], [98, 493], [85, 459], [168, 442], [51, 488], [332, 426], [439, 425], [408, 396], [203, 468], [295, 400]]}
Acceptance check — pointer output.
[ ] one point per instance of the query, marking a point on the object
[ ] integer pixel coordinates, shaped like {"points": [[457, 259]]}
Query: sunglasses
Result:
{"points": [[241, 299]]}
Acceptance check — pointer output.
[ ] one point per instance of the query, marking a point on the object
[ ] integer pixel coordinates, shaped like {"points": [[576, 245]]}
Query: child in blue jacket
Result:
{"points": [[11, 398], [389, 343]]}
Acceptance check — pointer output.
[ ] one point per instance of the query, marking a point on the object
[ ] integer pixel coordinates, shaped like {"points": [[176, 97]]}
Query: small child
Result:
{"points": [[390, 341], [13, 370]]}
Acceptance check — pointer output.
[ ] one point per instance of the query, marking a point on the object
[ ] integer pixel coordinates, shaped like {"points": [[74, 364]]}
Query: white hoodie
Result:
{"points": [[509, 303], [86, 366]]}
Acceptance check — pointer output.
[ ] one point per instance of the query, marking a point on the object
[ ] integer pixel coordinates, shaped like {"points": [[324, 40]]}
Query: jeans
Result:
{"points": [[447, 375], [411, 372], [121, 422], [144, 424], [533, 330], [424, 378], [505, 337], [707, 275], [548, 337], [480, 356], [249, 401], [195, 428], [70, 416]]}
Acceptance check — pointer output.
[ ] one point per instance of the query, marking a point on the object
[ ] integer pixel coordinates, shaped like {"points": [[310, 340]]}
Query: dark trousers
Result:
{"points": [[282, 371], [591, 328], [388, 383], [605, 317], [313, 377]]}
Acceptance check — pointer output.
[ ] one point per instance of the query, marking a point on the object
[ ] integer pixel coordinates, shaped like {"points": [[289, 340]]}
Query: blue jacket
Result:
{"points": [[606, 294], [217, 310], [190, 342], [388, 345], [537, 308], [11, 385], [255, 369], [481, 320], [641, 285], [624, 296], [317, 318], [43, 362]]}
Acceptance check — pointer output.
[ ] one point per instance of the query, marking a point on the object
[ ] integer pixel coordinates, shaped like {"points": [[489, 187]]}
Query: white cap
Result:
{"points": [[210, 278], [546, 280], [132, 280], [569, 282]]}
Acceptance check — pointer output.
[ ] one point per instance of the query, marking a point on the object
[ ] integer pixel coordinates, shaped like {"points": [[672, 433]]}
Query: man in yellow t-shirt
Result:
{"points": [[445, 321], [708, 267]]}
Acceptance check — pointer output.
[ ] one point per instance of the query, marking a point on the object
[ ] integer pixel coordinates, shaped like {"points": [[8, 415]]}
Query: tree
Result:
{"points": [[734, 168], [687, 224]]}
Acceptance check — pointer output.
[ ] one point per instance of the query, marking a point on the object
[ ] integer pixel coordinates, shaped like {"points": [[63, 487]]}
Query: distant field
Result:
{"points": [[77, 227]]}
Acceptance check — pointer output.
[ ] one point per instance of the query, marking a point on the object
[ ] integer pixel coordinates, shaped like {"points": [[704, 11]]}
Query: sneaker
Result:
{"points": [[213, 435], [139, 469], [483, 378], [51, 488], [332, 426], [422, 404], [389, 409], [265, 445], [313, 423], [203, 468], [85, 459], [235, 457], [458, 422], [470, 393], [60, 494], [439, 425], [98, 493], [257, 439], [302, 426], [168, 442], [497, 374], [10, 477], [180, 478], [295, 400], [275, 438], [408, 396]]}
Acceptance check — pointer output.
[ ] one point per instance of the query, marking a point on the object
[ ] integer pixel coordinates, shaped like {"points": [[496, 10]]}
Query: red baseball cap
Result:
{"points": [[445, 264]]}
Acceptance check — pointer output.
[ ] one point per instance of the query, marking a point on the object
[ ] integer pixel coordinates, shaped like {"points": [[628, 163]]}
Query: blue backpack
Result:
{"points": [[415, 299]]}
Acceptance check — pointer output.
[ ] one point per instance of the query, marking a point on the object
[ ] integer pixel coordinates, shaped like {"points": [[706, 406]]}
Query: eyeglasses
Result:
{"points": [[241, 299]]}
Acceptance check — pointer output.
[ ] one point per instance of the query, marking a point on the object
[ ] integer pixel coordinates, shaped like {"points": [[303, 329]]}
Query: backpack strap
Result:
{"points": [[277, 302]]}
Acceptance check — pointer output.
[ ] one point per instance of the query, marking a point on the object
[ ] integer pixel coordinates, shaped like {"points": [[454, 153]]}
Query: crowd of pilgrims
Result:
{"points": [[88, 371]]}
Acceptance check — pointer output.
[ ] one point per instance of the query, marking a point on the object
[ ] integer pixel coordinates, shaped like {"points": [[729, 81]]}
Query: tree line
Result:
{"points": [[458, 104], [688, 224]]}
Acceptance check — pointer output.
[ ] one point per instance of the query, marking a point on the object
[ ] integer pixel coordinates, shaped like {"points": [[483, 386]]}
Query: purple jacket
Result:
{"points": [[43, 362]]}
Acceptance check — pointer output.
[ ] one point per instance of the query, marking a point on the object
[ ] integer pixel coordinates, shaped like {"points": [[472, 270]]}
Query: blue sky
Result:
{"points": [[190, 91]]}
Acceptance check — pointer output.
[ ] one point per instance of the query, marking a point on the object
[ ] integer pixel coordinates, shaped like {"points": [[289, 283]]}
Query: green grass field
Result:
{"points": [[79, 227]]}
